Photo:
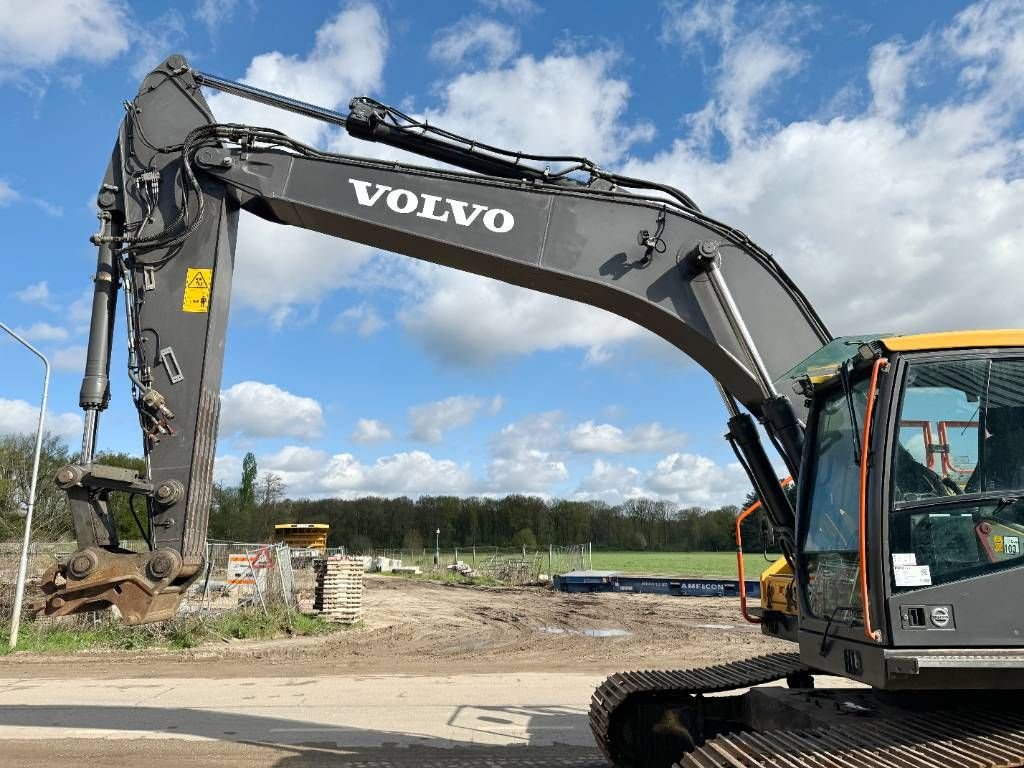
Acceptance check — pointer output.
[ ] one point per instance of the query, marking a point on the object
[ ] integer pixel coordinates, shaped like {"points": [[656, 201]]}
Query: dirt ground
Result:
{"points": [[416, 627]]}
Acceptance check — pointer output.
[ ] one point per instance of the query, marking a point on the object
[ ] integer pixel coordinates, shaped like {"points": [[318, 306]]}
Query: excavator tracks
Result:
{"points": [[623, 695], [945, 739]]}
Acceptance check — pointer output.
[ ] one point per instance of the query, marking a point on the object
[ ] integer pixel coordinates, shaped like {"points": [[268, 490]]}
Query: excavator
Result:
{"points": [[900, 569]]}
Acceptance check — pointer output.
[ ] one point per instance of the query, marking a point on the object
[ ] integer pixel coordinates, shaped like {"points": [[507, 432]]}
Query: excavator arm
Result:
{"points": [[169, 213]]}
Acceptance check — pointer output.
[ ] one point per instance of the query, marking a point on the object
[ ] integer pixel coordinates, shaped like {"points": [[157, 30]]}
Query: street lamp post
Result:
{"points": [[19, 589], [437, 547]]}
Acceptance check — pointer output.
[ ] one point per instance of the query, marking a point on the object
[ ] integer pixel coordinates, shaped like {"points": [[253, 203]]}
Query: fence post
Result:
{"points": [[590, 546], [474, 555], [256, 581], [551, 550], [206, 579]]}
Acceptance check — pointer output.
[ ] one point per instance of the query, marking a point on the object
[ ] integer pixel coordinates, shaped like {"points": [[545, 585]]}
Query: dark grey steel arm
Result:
{"points": [[170, 205]]}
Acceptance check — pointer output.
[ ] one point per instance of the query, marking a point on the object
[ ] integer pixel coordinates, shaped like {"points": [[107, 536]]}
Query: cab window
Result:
{"points": [[832, 534], [958, 471]]}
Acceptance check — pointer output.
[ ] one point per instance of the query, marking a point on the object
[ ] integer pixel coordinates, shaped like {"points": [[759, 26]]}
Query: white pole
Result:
{"points": [[19, 590]]}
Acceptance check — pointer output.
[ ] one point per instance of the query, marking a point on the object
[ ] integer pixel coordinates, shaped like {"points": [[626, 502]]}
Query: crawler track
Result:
{"points": [[630, 691], [945, 739]]}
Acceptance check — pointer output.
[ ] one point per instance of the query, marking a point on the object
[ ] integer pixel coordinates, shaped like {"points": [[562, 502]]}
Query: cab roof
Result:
{"points": [[1007, 337], [823, 364]]}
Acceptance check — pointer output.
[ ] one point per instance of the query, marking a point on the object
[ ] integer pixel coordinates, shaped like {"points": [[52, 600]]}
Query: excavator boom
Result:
{"points": [[169, 212]]}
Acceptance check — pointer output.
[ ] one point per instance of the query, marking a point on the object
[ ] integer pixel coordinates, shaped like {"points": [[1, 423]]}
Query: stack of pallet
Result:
{"points": [[338, 595]]}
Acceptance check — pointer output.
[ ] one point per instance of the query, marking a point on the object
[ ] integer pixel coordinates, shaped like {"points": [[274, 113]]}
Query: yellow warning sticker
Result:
{"points": [[197, 290]]}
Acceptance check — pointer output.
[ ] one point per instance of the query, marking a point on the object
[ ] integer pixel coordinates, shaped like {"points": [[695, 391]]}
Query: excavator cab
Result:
{"points": [[910, 513]]}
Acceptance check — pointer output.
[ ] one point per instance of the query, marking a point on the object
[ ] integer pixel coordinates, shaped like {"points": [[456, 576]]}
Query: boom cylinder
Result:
{"points": [[95, 392], [747, 443]]}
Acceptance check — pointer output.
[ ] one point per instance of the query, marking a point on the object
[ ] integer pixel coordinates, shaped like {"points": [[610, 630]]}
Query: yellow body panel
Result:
{"points": [[303, 535], [777, 588], [1009, 337]]}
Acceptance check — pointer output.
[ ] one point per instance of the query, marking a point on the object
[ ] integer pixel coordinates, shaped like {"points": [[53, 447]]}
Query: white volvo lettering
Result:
{"points": [[459, 209], [427, 211], [402, 201], [491, 219], [363, 192], [496, 220]]}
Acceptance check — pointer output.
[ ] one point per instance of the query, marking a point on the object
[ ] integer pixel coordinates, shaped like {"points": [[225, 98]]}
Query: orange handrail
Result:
{"points": [[739, 555], [872, 634]]}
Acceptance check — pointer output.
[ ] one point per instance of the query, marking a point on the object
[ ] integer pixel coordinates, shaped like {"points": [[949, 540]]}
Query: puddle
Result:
{"points": [[587, 632]]}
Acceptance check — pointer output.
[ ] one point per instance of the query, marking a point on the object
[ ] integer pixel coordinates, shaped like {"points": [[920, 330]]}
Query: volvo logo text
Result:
{"points": [[434, 207]]}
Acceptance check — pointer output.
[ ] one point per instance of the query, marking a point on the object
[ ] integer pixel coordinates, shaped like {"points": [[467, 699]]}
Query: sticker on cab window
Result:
{"points": [[912, 575]]}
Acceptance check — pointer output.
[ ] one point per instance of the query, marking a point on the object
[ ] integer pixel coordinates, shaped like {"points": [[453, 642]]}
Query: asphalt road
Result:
{"points": [[499, 720]]}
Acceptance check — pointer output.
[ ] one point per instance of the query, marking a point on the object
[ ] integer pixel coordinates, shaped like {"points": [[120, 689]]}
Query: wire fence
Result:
{"points": [[244, 575], [506, 565], [240, 575], [237, 575]]}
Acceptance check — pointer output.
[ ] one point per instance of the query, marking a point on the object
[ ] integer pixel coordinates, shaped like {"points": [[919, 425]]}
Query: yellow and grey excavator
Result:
{"points": [[901, 558]]}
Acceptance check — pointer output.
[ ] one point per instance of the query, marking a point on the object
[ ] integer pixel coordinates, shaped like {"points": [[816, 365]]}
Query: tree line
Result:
{"points": [[249, 510]]}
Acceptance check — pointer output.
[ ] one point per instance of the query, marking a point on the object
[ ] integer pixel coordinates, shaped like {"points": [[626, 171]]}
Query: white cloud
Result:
{"points": [[685, 479], [79, 312], [370, 431], [757, 52], [309, 472], [588, 437], [37, 293], [347, 58], [154, 40], [414, 473], [575, 105], [613, 483], [689, 479], [547, 432], [530, 471], [472, 38], [527, 455], [214, 13], [916, 203], [512, 7], [430, 421], [69, 358], [20, 417], [281, 266], [227, 469], [889, 68], [10, 195], [255, 409], [530, 455], [362, 318], [507, 320], [7, 193], [43, 332], [35, 36], [691, 24]]}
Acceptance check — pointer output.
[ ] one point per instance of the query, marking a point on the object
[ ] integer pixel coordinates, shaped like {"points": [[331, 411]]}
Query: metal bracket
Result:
{"points": [[170, 363], [148, 279]]}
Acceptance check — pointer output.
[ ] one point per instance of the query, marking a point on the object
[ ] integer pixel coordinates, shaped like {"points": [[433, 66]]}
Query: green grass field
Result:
{"points": [[711, 564]]}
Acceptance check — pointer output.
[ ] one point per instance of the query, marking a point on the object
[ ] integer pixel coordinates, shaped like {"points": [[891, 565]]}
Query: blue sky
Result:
{"points": [[872, 144]]}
